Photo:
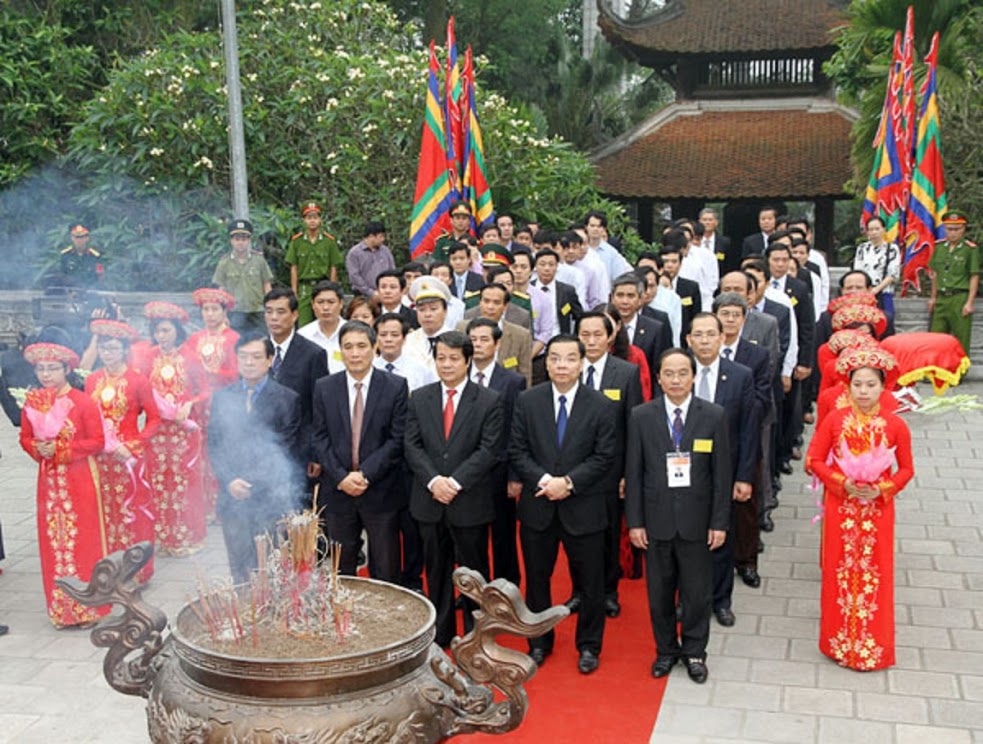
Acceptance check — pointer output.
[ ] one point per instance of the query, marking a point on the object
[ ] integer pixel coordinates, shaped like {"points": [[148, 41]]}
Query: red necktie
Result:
{"points": [[449, 414]]}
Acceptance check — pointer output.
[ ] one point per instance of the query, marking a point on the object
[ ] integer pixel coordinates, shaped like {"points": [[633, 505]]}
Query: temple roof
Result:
{"points": [[727, 150], [724, 27]]}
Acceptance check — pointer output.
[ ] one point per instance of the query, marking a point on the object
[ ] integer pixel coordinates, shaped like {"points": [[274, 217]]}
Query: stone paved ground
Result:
{"points": [[768, 682]]}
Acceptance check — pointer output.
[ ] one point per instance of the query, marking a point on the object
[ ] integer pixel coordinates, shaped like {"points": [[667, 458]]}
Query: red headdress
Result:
{"points": [[45, 352]]}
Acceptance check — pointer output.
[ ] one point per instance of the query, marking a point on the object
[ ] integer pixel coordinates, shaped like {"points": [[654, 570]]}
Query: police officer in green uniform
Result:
{"points": [[246, 276], [80, 265], [313, 255], [460, 229], [955, 267]]}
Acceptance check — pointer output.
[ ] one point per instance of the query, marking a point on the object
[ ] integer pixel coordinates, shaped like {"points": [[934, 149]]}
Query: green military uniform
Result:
{"points": [[80, 270], [443, 244], [314, 260], [522, 300], [952, 269], [244, 280]]}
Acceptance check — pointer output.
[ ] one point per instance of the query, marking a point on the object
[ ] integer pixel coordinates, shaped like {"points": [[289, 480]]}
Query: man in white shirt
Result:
{"points": [[568, 271], [328, 300], [663, 298], [614, 263], [699, 264], [430, 296]]}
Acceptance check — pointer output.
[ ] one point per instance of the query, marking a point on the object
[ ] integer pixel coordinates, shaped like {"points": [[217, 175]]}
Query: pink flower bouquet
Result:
{"points": [[169, 411], [865, 467], [47, 412]]}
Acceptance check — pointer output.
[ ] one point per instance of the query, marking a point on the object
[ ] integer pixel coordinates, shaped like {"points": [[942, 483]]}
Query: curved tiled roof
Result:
{"points": [[732, 154]]}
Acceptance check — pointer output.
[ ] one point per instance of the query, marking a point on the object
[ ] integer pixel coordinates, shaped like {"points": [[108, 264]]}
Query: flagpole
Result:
{"points": [[237, 139]]}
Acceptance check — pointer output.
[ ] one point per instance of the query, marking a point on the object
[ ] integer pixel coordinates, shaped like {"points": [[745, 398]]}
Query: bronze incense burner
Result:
{"points": [[408, 690]]}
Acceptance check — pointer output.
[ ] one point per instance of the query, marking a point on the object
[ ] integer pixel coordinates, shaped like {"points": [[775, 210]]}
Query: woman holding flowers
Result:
{"points": [[122, 394], [853, 453], [62, 431], [174, 467]]}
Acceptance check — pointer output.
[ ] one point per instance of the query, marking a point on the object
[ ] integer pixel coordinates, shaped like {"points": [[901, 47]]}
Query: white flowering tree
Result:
{"points": [[333, 105]]}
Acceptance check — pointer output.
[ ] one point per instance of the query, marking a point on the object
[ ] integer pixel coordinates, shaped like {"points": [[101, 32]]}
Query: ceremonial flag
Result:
{"points": [[928, 196], [453, 93], [475, 183], [432, 200], [885, 188]]}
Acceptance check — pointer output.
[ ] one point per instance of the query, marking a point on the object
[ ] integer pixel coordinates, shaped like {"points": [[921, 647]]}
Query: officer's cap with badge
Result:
{"points": [[427, 289], [460, 207], [240, 227], [79, 231], [310, 208], [955, 217]]}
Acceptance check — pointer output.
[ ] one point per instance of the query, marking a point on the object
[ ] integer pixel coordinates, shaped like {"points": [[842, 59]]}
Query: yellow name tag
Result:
{"points": [[613, 393], [565, 310], [795, 301], [703, 445], [336, 356], [686, 301], [720, 257], [510, 363]]}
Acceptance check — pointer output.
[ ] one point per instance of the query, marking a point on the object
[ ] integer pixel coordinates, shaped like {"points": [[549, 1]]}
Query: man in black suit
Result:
{"points": [[688, 290], [562, 448], [463, 280], [252, 434], [728, 256], [650, 335], [731, 309], [485, 336], [568, 308], [677, 506], [297, 364], [453, 431], [731, 386], [390, 287], [361, 479], [756, 243], [621, 382]]}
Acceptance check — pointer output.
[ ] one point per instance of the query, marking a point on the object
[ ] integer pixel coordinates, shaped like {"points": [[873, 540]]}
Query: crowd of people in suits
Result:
{"points": [[640, 415]]}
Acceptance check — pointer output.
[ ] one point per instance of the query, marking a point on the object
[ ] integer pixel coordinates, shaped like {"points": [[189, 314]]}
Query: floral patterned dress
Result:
{"points": [[174, 467], [857, 558], [128, 509], [215, 353], [71, 529]]}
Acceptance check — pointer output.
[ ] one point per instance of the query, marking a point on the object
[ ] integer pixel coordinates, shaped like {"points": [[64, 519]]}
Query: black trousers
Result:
{"points": [[505, 553], [412, 545], [443, 545], [615, 508], [241, 524], [686, 566], [723, 568], [383, 531], [586, 556]]}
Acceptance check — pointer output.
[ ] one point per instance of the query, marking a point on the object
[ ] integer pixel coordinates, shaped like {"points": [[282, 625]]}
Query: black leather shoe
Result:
{"points": [[761, 545], [767, 523], [796, 453], [749, 576], [725, 617], [538, 655], [573, 604], [786, 468], [588, 662], [697, 670], [663, 665], [3, 630], [611, 607]]}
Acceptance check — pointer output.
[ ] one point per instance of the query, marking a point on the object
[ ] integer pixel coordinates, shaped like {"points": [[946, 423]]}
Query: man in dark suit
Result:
{"points": [[731, 386], [688, 290], [453, 430], [731, 310], [516, 344], [252, 434], [620, 382], [562, 448], [677, 506], [568, 308], [297, 364], [728, 256], [485, 337], [756, 243], [463, 280], [651, 336], [361, 479], [390, 286]]}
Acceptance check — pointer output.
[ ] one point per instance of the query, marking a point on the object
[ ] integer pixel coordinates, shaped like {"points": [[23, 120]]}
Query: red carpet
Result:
{"points": [[617, 703]]}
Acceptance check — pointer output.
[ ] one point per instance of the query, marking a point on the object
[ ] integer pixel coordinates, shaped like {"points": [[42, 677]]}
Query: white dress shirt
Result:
{"points": [[671, 412], [712, 375], [312, 332], [486, 371], [352, 392], [598, 371], [570, 395], [415, 374]]}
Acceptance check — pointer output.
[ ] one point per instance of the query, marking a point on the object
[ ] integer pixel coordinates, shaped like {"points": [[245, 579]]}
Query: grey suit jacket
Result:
{"points": [[513, 314], [762, 329]]}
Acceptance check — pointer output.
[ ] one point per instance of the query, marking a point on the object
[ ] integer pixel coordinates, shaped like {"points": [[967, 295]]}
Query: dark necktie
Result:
{"points": [[481, 379], [677, 428], [545, 289], [432, 340], [390, 367], [703, 389], [727, 353], [774, 284], [590, 377], [358, 413], [277, 361], [250, 394], [561, 421], [449, 414]]}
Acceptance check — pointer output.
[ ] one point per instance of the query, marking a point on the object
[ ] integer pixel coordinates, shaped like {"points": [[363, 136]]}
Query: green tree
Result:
{"points": [[333, 96]]}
